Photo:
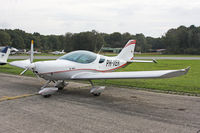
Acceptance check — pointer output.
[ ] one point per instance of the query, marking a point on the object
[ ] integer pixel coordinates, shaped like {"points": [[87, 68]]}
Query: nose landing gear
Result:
{"points": [[61, 84], [48, 91]]}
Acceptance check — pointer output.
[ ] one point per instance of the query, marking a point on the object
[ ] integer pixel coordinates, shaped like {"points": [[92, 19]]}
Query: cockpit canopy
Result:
{"points": [[81, 56]]}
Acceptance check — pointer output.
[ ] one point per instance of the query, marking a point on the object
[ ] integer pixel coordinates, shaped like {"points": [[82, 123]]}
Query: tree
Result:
{"points": [[4, 38]]}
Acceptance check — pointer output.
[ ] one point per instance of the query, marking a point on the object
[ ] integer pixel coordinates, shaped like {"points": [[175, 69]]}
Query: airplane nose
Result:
{"points": [[32, 66]]}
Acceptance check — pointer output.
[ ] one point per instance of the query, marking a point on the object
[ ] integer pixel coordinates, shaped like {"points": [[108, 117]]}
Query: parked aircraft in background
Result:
{"points": [[35, 52], [58, 52], [4, 53], [86, 65], [13, 51]]}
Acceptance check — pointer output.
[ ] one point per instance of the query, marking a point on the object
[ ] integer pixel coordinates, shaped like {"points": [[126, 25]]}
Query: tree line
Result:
{"points": [[181, 40]]}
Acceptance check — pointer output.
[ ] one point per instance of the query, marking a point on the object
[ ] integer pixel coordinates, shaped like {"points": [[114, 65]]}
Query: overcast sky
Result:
{"points": [[150, 17]]}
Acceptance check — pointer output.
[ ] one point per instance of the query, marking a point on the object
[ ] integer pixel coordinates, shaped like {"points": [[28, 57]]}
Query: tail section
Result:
{"points": [[127, 52], [4, 53]]}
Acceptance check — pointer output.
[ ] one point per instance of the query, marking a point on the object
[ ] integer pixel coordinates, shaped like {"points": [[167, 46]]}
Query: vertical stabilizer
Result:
{"points": [[127, 52], [4, 53]]}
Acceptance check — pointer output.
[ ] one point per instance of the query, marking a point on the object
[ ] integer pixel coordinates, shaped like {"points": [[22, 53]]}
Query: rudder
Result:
{"points": [[127, 52], [4, 53]]}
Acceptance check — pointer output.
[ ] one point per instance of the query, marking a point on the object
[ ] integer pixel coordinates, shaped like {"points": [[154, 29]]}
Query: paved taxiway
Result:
{"points": [[75, 110], [139, 58]]}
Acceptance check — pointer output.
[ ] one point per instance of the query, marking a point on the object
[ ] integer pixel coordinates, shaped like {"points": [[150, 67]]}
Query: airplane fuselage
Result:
{"points": [[64, 69]]}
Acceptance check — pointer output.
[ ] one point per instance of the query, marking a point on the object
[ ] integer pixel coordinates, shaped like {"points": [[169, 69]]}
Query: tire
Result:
{"points": [[96, 94], [60, 88], [46, 96]]}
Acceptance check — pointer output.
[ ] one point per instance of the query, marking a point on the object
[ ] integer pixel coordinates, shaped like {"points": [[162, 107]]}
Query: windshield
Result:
{"points": [[80, 56]]}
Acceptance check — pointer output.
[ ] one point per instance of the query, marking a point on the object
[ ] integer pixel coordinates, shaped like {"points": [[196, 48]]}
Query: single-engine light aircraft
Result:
{"points": [[4, 53], [86, 65], [58, 52]]}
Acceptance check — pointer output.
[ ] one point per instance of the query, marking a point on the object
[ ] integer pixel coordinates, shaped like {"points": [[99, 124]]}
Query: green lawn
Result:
{"points": [[164, 55], [154, 55], [189, 83], [42, 54]]}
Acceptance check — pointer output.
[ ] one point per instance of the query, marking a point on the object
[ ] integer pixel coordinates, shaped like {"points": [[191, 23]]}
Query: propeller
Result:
{"points": [[22, 73], [31, 66]]}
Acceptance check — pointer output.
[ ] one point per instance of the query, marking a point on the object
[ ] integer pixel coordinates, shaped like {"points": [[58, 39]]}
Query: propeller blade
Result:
{"points": [[30, 64], [23, 71], [32, 52]]}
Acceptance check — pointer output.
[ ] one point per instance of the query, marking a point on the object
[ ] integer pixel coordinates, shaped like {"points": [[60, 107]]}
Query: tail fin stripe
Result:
{"points": [[130, 43]]}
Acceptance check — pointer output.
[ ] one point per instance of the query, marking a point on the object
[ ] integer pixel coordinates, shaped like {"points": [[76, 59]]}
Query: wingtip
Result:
{"points": [[155, 61], [187, 69]]}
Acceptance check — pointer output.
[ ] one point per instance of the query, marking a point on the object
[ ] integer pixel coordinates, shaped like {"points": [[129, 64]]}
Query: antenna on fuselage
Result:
{"points": [[100, 49]]}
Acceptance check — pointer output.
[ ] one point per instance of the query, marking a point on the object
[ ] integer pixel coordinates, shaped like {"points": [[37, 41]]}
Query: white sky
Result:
{"points": [[150, 17]]}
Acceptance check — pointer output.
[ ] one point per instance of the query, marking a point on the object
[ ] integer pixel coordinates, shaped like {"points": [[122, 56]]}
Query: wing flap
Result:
{"points": [[131, 75]]}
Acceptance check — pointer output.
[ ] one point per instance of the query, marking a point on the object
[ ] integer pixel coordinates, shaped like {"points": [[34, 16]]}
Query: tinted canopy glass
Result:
{"points": [[102, 59], [81, 56]]}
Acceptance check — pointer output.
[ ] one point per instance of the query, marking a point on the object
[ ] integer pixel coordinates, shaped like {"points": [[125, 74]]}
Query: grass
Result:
{"points": [[154, 55], [164, 55], [42, 54], [187, 84]]}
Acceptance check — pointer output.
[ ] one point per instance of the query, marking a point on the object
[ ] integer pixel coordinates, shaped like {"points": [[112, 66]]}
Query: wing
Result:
{"points": [[131, 75]]}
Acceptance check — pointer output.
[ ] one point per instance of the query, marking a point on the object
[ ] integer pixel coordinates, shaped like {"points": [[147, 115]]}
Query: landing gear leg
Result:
{"points": [[46, 84], [91, 83], [61, 84]]}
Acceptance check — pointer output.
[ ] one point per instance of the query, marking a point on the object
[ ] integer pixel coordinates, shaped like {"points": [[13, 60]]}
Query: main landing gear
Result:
{"points": [[96, 91]]}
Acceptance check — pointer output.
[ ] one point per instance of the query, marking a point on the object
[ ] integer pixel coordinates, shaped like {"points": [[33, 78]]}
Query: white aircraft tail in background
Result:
{"points": [[4, 53]]}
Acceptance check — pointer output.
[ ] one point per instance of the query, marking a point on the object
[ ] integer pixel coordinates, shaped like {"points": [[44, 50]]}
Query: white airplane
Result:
{"points": [[13, 51], [85, 65], [35, 52], [58, 52], [4, 53]]}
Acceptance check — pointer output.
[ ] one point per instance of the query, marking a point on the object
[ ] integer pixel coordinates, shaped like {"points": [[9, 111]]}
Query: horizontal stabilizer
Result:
{"points": [[143, 61], [131, 75]]}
